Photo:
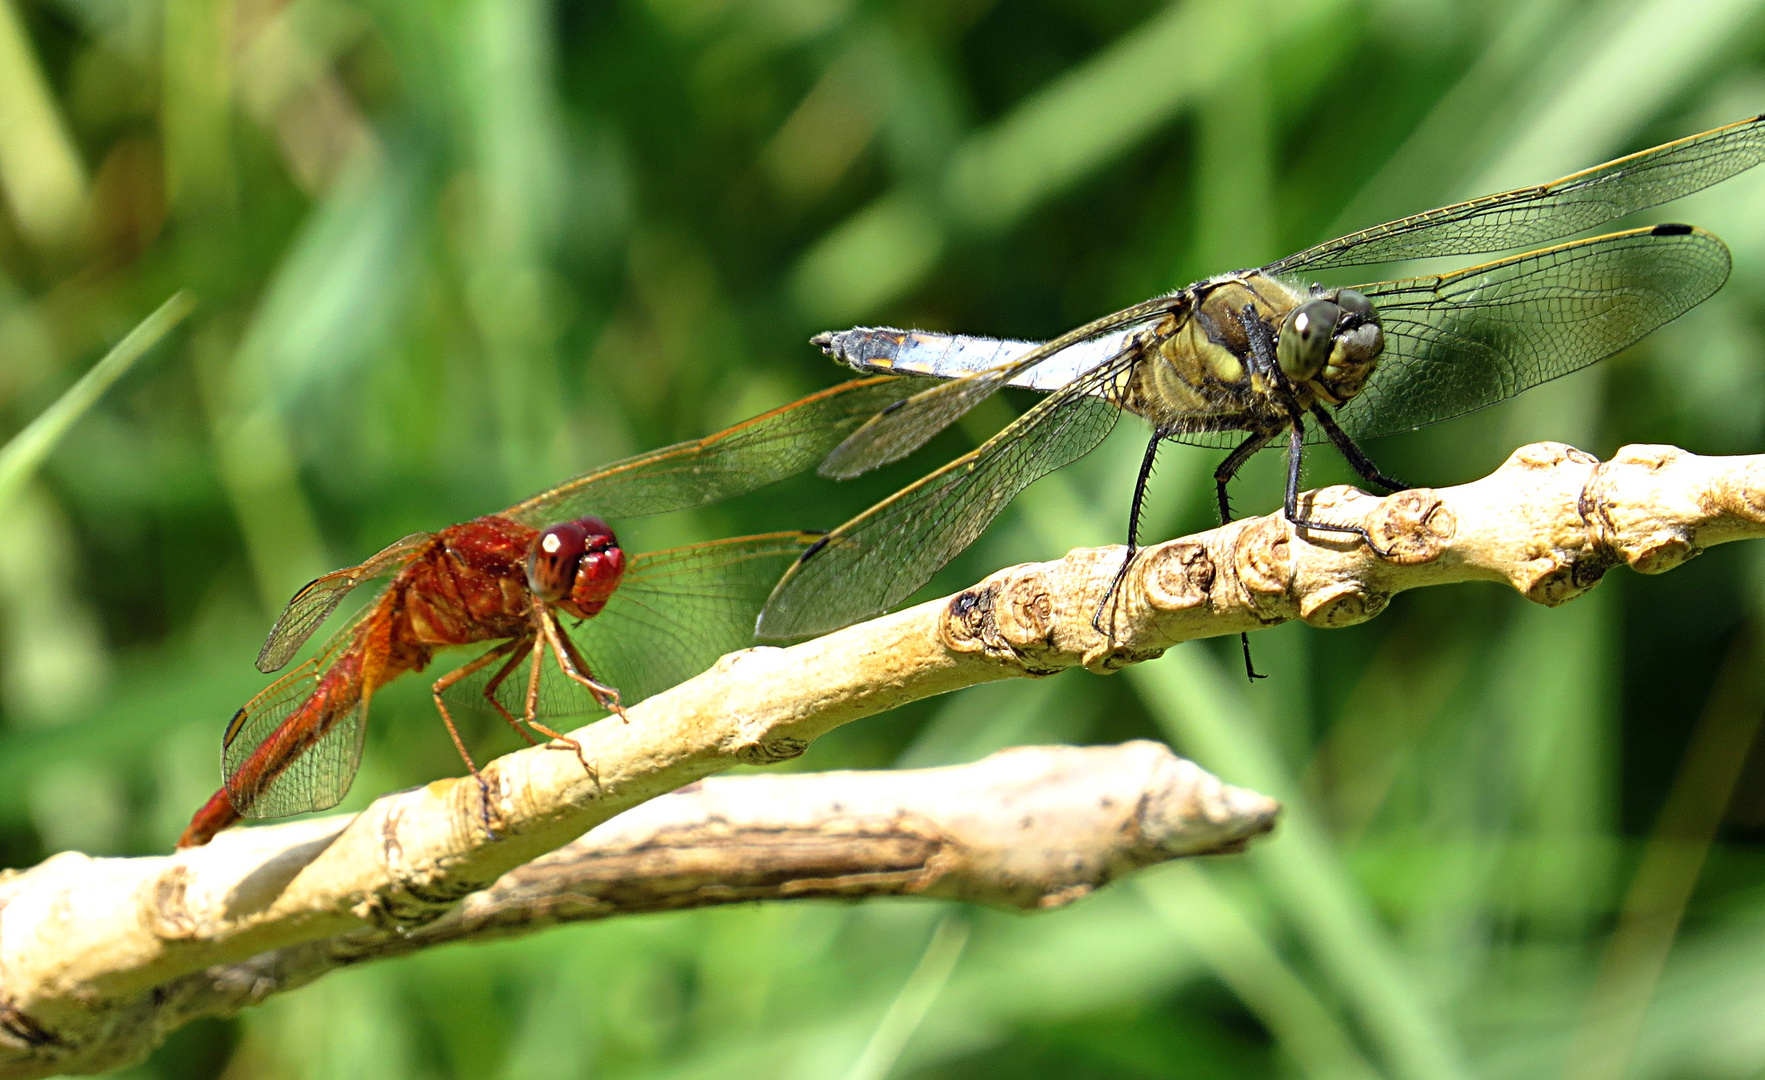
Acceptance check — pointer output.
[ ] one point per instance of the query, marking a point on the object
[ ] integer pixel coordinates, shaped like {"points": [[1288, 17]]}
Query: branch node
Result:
{"points": [[1342, 604], [1544, 456], [1262, 554], [1178, 576], [1412, 527], [1009, 618]]}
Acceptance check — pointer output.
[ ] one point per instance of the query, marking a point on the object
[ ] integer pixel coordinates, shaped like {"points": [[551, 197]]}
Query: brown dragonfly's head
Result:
{"points": [[576, 565], [1334, 338]]}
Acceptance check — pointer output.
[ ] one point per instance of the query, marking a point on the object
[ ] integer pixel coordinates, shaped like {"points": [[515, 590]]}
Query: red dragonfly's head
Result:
{"points": [[576, 565]]}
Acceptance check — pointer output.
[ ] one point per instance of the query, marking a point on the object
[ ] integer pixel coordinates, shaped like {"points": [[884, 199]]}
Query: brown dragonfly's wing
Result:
{"points": [[1537, 215], [897, 432], [1459, 342], [880, 557], [674, 613], [296, 745], [749, 455], [312, 605]]}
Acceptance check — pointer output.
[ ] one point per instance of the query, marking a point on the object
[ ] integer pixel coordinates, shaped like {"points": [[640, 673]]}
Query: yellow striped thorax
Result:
{"points": [[1200, 362]]}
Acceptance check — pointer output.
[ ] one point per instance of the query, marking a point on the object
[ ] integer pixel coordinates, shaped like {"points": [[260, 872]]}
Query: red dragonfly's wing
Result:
{"points": [[674, 614], [312, 605], [296, 745], [750, 455]]}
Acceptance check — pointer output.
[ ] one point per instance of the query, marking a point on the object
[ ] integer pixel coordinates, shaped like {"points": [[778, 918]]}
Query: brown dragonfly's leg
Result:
{"points": [[1262, 342], [1221, 477], [444, 683], [1229, 468], [1291, 510], [1134, 510], [1357, 458], [496, 681]]}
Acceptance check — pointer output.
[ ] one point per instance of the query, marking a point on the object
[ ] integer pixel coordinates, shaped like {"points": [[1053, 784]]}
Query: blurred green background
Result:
{"points": [[450, 253]]}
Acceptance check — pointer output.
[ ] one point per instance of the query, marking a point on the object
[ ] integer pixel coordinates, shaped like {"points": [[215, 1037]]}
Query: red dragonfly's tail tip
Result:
{"points": [[216, 814]]}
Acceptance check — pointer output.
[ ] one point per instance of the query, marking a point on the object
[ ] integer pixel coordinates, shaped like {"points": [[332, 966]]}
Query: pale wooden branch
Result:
{"points": [[1550, 521], [1033, 827]]}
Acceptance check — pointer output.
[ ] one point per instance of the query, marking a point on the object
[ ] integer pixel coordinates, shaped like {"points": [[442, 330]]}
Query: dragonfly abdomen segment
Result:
{"points": [[951, 356], [338, 693]]}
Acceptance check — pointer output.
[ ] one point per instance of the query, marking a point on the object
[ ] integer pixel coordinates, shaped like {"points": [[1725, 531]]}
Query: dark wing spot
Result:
{"points": [[1670, 229]]}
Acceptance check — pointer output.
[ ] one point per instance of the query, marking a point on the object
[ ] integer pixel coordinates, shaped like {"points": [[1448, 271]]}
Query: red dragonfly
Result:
{"points": [[647, 621]]}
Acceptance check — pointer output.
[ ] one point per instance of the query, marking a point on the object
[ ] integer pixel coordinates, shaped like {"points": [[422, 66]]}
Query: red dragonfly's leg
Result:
{"points": [[533, 680], [606, 696], [571, 664], [496, 682], [560, 741], [448, 680]]}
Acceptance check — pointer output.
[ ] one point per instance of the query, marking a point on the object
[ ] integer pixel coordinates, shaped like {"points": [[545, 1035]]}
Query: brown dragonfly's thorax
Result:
{"points": [[470, 585], [1204, 371]]}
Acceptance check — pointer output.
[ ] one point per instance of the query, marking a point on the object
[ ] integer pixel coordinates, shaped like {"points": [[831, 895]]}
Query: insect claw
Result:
{"points": [[484, 807]]}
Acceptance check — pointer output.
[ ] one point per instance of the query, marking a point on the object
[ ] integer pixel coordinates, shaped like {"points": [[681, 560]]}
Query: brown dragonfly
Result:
{"points": [[1261, 357], [642, 623]]}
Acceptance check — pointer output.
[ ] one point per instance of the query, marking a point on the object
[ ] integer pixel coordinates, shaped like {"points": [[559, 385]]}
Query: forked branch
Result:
{"points": [[77, 933], [1033, 827]]}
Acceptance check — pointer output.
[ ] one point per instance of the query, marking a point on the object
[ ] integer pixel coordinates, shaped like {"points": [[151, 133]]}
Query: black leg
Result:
{"points": [[1134, 510], [1221, 477], [1357, 458], [1229, 468], [1295, 444], [1249, 668]]}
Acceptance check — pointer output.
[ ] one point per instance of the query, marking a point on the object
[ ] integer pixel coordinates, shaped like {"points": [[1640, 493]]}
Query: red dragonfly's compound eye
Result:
{"points": [[602, 565], [579, 561]]}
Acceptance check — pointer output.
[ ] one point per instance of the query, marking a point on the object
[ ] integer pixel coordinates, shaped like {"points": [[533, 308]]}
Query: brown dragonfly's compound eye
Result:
{"points": [[553, 559], [1306, 339], [1357, 305]]}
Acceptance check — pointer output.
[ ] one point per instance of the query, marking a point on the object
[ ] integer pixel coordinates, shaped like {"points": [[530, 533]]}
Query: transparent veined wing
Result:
{"points": [[1537, 215], [739, 459], [675, 612], [879, 558], [314, 603], [296, 746], [1459, 342], [897, 432]]}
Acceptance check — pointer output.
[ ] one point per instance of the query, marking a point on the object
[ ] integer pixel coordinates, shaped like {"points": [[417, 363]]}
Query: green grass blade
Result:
{"points": [[1191, 701], [27, 450]]}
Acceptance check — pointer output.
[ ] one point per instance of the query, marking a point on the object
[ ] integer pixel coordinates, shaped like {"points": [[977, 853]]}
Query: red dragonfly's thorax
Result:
{"points": [[470, 585]]}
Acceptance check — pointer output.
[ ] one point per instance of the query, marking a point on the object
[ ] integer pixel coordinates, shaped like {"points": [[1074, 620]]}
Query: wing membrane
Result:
{"points": [[897, 432], [673, 615], [296, 746], [1459, 342], [314, 603], [1537, 215], [749, 455], [879, 558]]}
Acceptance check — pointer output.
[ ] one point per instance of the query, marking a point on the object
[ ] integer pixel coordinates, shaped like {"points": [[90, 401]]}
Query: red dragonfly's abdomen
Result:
{"points": [[338, 692]]}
